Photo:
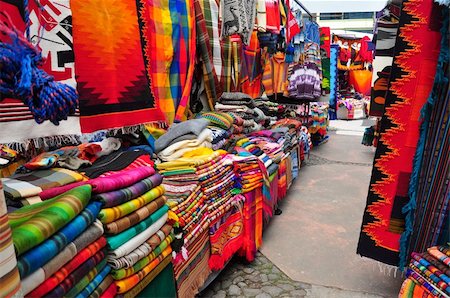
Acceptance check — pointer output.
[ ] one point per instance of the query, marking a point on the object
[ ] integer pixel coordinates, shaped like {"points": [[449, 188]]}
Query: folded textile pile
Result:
{"points": [[183, 137], [428, 274], [72, 157], [24, 189], [241, 106], [59, 245], [138, 235], [9, 274]]}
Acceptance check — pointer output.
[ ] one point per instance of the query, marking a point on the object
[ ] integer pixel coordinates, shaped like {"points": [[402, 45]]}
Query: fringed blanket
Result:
{"points": [[225, 235], [113, 82], [31, 225], [416, 54], [252, 224], [191, 274]]}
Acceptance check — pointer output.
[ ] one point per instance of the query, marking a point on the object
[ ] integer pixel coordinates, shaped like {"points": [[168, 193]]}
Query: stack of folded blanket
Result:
{"points": [[138, 236], [59, 244], [24, 189], [183, 137], [428, 274]]}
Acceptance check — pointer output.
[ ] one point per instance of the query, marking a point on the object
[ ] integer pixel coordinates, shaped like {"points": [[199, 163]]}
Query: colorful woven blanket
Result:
{"points": [[27, 185], [44, 252], [105, 184], [119, 239], [98, 279], [31, 225], [416, 54], [114, 198], [135, 217], [70, 251], [50, 283], [109, 215]]}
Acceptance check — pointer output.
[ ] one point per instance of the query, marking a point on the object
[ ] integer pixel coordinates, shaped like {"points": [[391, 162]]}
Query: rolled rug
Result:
{"points": [[33, 280]]}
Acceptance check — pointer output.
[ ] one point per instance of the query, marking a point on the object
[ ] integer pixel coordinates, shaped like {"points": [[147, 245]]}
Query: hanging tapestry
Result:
{"points": [[113, 82], [334, 53], [427, 220], [51, 31], [385, 34], [416, 53], [325, 40]]}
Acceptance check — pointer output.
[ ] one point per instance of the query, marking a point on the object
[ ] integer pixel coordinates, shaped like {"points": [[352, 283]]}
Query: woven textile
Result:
{"points": [[52, 22], [51, 282], [192, 274], [114, 198], [28, 185], [141, 252], [111, 291], [87, 279], [102, 287], [95, 282], [410, 84], [137, 240], [135, 217], [33, 224], [123, 273], [159, 283], [44, 252], [70, 251], [427, 211], [226, 238], [109, 215], [113, 83], [126, 284], [325, 39], [105, 184], [9, 274], [119, 239], [78, 274]]}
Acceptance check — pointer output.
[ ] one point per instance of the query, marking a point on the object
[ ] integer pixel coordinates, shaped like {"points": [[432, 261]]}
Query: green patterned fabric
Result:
{"points": [[33, 224], [119, 239]]}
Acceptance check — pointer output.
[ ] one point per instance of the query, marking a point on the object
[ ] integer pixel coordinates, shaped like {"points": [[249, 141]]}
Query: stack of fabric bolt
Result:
{"points": [[59, 245], [183, 137], [428, 274], [138, 235]]}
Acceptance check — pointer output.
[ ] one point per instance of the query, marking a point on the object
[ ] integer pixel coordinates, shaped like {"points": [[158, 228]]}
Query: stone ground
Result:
{"points": [[262, 279], [321, 220]]}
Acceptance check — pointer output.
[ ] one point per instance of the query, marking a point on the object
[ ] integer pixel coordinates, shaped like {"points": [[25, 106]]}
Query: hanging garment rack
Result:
{"points": [[304, 9]]}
